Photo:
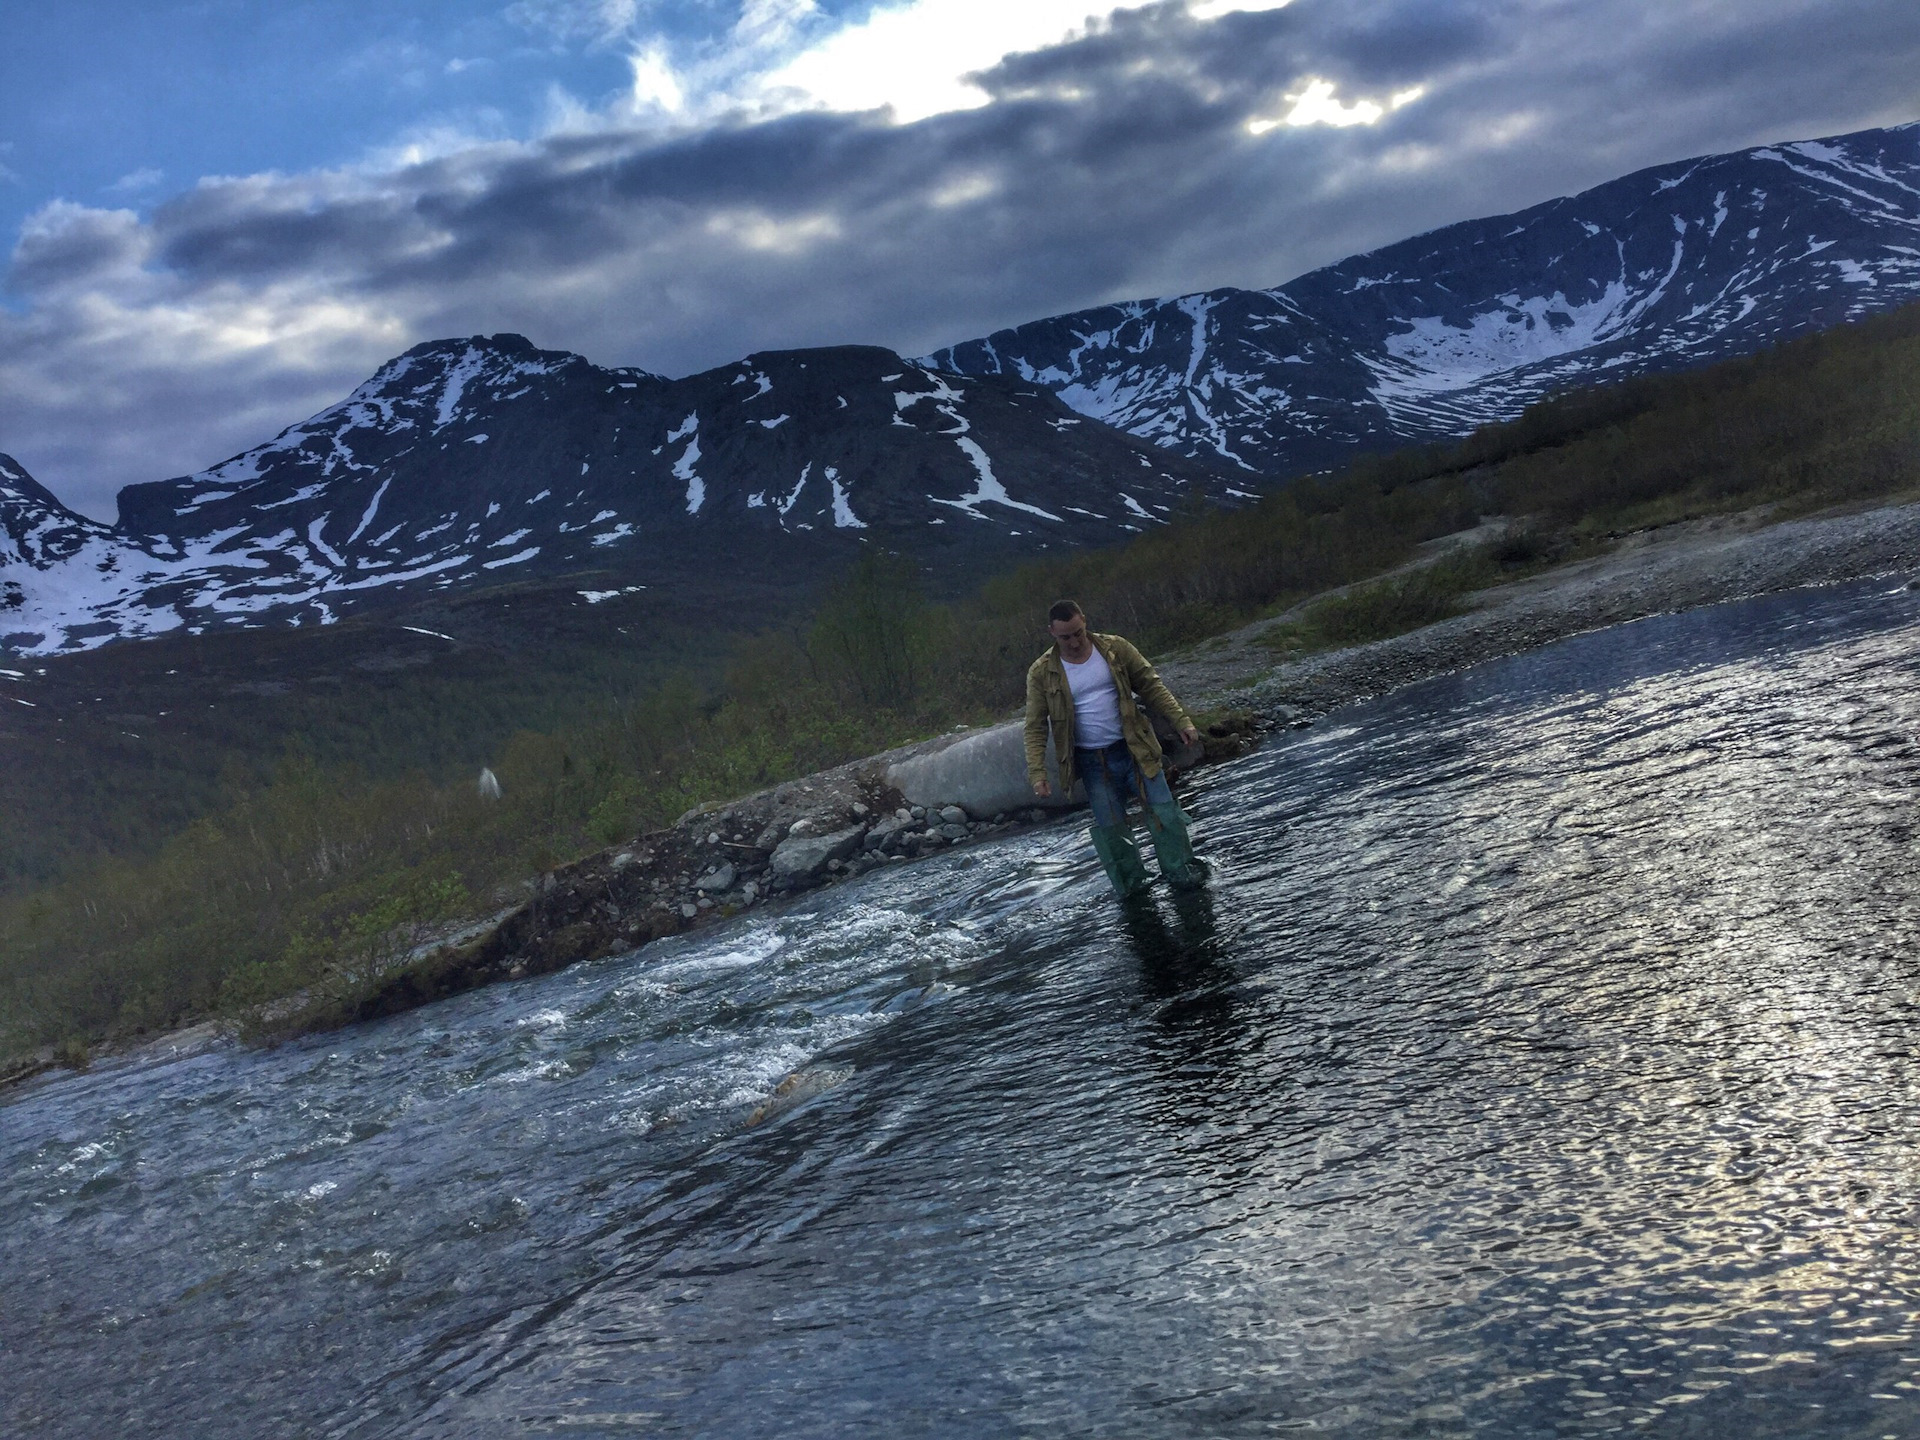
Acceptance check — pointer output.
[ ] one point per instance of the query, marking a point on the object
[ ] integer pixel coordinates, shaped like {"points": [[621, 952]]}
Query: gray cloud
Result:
{"points": [[1119, 165]]}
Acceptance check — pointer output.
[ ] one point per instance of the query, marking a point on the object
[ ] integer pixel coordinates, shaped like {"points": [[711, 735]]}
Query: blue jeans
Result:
{"points": [[1112, 778]]}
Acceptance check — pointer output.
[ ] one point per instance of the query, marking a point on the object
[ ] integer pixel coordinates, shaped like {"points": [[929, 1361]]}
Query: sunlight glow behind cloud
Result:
{"points": [[1317, 105], [911, 59], [914, 58], [1214, 9]]}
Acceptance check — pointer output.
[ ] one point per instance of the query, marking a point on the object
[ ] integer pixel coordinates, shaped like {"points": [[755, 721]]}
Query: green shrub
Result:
{"points": [[73, 1053], [1388, 607]]}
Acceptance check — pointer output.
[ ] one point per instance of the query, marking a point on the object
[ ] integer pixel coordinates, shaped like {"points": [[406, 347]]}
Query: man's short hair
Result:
{"points": [[1063, 610]]}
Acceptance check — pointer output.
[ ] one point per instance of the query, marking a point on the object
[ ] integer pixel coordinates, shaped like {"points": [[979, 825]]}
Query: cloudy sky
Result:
{"points": [[224, 214]]}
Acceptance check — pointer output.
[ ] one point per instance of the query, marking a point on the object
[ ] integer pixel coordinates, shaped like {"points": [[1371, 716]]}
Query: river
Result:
{"points": [[1540, 1062]]}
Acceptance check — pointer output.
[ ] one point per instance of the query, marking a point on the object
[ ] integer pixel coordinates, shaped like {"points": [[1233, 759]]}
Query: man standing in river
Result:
{"points": [[1083, 690]]}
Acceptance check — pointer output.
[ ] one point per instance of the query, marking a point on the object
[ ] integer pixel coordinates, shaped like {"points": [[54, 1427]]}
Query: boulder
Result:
{"points": [[802, 855], [892, 825], [1179, 754], [982, 773], [717, 880]]}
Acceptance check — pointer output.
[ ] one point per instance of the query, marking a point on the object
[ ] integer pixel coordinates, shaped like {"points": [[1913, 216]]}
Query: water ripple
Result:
{"points": [[1539, 1062]]}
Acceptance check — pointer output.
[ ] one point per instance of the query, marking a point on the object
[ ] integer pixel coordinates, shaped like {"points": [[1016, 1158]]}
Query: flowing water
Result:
{"points": [[1541, 1062]]}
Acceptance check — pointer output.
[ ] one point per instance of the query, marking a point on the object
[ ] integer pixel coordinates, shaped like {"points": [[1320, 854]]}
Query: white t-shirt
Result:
{"points": [[1096, 702]]}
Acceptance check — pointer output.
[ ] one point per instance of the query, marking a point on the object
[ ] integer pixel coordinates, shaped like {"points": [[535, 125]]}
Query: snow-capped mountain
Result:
{"points": [[51, 560], [1665, 268], [469, 462], [466, 463]]}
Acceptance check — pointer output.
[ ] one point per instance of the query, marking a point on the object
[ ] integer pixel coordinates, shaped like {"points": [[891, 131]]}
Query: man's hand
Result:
{"points": [[1189, 735], [1042, 789]]}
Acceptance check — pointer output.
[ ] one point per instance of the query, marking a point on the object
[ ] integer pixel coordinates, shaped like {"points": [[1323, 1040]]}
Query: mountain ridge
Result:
{"points": [[1670, 266], [466, 463]]}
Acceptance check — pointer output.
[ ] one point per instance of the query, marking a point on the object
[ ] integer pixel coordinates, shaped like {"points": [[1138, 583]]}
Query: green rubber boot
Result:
{"points": [[1178, 863], [1120, 860]]}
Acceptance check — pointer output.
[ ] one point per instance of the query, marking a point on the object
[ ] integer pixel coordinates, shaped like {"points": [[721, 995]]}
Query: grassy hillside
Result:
{"points": [[120, 748], [295, 856]]}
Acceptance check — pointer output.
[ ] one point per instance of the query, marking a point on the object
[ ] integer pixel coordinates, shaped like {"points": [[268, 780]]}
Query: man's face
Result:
{"points": [[1071, 636]]}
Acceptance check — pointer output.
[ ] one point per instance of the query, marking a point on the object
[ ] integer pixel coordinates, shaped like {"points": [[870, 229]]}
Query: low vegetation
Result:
{"points": [[329, 870]]}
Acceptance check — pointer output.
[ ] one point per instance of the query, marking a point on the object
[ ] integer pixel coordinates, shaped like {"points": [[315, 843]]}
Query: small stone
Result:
{"points": [[705, 904], [953, 815], [713, 837], [689, 911], [1001, 818], [903, 814], [802, 855], [836, 864], [621, 861], [862, 810], [802, 826], [749, 892], [892, 825], [717, 880], [953, 832], [918, 812]]}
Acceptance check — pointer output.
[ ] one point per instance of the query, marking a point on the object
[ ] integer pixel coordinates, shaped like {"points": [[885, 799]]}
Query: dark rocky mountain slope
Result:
{"points": [[468, 463], [1670, 267]]}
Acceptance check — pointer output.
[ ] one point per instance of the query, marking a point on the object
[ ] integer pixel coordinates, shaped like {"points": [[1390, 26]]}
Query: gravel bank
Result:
{"points": [[1676, 567]]}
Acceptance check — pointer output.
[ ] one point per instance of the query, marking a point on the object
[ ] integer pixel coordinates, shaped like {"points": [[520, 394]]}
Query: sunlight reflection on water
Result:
{"points": [[1540, 1062]]}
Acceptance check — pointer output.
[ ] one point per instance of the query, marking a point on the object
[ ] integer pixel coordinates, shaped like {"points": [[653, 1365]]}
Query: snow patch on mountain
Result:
{"points": [[843, 516], [801, 450], [1674, 266], [946, 401]]}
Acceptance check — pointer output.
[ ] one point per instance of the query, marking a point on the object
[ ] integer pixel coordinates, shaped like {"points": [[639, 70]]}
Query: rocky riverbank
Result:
{"points": [[715, 863], [1648, 572], [843, 822], [724, 860]]}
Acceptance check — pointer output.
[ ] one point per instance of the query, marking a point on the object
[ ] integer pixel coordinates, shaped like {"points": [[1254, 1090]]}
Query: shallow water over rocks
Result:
{"points": [[1541, 1062]]}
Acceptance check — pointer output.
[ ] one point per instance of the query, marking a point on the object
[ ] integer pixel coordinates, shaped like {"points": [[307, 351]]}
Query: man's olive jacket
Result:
{"points": [[1050, 703]]}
